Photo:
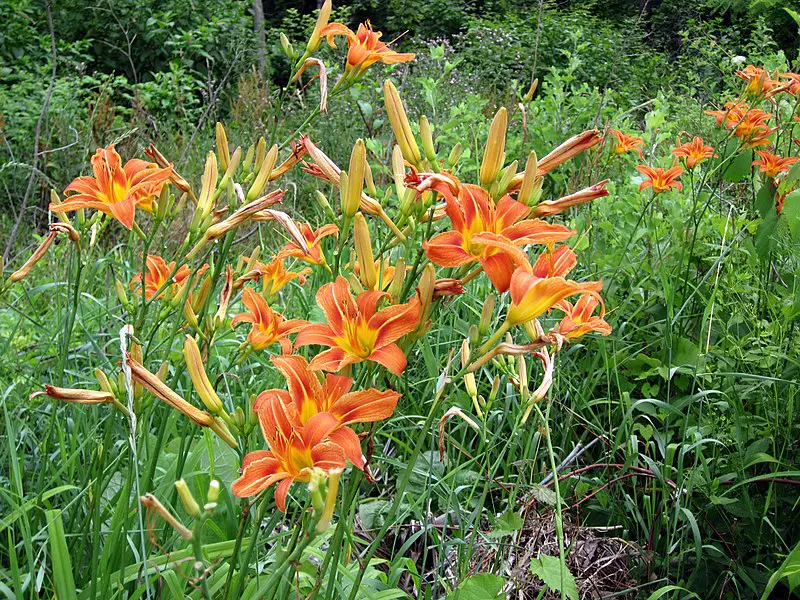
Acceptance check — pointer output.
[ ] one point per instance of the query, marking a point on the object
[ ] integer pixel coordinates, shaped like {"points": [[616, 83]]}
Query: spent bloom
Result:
{"points": [[693, 152], [114, 189], [357, 331], [660, 179]]}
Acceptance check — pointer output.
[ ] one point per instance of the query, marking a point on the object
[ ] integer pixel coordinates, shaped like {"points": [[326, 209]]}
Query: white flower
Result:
{"points": [[738, 60]]}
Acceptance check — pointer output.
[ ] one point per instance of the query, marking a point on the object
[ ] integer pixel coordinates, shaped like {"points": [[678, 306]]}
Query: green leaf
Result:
{"points": [[763, 237], [739, 167], [789, 570], [479, 587], [62, 565], [765, 200], [552, 571], [791, 212], [506, 524], [544, 495]]}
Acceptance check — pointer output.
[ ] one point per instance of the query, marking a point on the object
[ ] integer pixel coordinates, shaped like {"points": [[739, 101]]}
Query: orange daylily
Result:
{"points": [[356, 331], [760, 83], [694, 152], [312, 397], [364, 47], [660, 179], [792, 83], [627, 143], [314, 255], [158, 273], [295, 451], [532, 296], [579, 319], [384, 270], [772, 164], [555, 263], [487, 232], [115, 190], [749, 124], [548, 208], [274, 275], [269, 327]]}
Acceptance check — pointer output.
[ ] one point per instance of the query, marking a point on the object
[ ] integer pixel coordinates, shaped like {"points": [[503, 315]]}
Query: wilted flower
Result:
{"points": [[114, 189], [549, 208], [356, 331]]}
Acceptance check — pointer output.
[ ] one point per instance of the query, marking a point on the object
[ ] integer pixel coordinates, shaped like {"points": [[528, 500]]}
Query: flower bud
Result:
{"points": [[471, 386], [474, 335], [263, 174], [287, 46], [194, 364], [465, 353], [326, 207], [494, 154], [427, 282], [427, 142], [531, 91], [454, 156], [486, 314], [400, 125], [189, 503], [210, 175], [248, 159], [213, 491], [261, 152], [355, 178], [506, 175], [366, 259], [122, 294], [528, 186], [369, 182], [322, 22], [397, 280], [223, 151]]}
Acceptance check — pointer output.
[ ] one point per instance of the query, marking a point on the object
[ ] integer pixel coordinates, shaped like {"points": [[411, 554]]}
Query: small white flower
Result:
{"points": [[738, 60]]}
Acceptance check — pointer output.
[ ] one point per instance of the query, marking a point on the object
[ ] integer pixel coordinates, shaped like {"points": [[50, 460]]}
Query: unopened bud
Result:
{"points": [[397, 280], [474, 335], [213, 491], [194, 364], [531, 91], [122, 294], [264, 172], [494, 154], [248, 159], [223, 151], [322, 22], [427, 282], [369, 182], [355, 178], [189, 503], [400, 125], [486, 314], [506, 175], [454, 156], [366, 260], [288, 49], [471, 385], [527, 188], [427, 142], [326, 207]]}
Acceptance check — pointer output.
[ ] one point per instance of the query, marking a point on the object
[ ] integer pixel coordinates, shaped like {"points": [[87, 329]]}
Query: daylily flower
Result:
{"points": [[314, 255], [158, 272], [311, 397], [269, 327], [772, 164], [365, 47], [114, 189], [384, 274], [627, 143], [356, 331], [555, 263], [532, 296], [760, 83], [792, 83], [660, 179], [694, 152], [294, 451], [488, 233], [749, 124], [579, 319], [274, 275]]}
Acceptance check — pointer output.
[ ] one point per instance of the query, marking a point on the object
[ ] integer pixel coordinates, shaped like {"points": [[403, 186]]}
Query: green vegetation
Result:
{"points": [[674, 437]]}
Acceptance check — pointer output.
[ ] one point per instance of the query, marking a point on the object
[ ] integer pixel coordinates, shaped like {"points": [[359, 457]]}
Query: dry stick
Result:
{"points": [[716, 279], [36, 135]]}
